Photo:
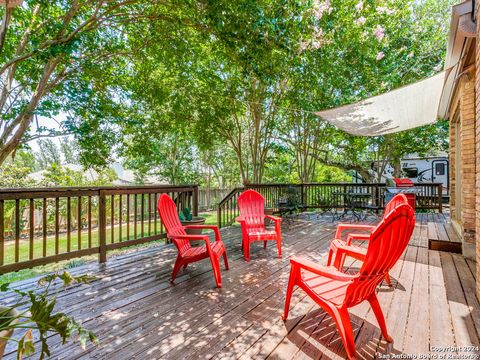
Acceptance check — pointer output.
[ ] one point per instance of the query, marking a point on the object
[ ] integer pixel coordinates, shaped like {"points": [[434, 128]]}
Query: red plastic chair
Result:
{"points": [[336, 292], [186, 253], [252, 219], [340, 249]]}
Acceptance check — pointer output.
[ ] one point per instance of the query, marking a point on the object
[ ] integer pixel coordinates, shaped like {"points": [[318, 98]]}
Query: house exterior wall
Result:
{"points": [[463, 103], [477, 145], [468, 159]]}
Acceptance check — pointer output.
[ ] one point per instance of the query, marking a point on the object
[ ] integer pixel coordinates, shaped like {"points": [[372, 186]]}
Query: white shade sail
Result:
{"points": [[405, 108]]}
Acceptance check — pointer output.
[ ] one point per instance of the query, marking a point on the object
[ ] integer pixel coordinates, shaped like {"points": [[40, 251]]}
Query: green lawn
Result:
{"points": [[211, 219]]}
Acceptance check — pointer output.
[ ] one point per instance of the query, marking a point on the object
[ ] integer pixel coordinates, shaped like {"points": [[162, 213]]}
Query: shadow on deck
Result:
{"points": [[137, 313]]}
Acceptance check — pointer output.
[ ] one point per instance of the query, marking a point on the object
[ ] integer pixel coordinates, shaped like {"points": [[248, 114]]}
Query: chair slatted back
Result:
{"points": [[387, 243], [252, 208], [169, 214], [396, 200]]}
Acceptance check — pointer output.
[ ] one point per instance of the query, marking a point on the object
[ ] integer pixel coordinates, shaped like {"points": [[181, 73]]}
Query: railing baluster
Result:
{"points": [[120, 213], [102, 228], [155, 200], [149, 214], [17, 230], [112, 218], [2, 232], [44, 228], [31, 228], [90, 221], [57, 224], [68, 224], [142, 215], [135, 199], [79, 222], [128, 217]]}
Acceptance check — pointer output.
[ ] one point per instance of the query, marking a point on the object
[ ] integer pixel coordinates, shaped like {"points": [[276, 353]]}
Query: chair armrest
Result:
{"points": [[211, 227], [239, 219], [342, 227], [190, 237], [351, 237], [347, 250], [329, 271], [273, 218]]}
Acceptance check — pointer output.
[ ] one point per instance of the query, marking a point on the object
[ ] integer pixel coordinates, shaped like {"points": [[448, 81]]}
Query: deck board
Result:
{"points": [[137, 313]]}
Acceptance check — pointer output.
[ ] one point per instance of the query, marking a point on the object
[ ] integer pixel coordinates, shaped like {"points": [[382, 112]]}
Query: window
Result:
{"points": [[410, 172], [440, 169]]}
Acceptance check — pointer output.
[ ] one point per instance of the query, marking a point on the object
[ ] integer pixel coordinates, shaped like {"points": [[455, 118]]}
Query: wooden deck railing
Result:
{"points": [[323, 195], [41, 226]]}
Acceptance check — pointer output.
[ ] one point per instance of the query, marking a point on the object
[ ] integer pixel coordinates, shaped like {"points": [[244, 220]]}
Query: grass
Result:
{"points": [[24, 249]]}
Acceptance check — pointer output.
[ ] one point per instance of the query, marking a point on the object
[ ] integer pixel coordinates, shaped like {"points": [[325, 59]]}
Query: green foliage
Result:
{"points": [[12, 176], [170, 157], [41, 315], [49, 153], [185, 214], [209, 92], [253, 82], [58, 175]]}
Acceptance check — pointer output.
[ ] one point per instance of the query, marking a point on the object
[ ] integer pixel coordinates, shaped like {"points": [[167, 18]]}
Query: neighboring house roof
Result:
{"points": [[124, 176], [89, 174]]}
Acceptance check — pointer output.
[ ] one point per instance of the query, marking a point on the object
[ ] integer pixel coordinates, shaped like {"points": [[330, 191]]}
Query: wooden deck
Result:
{"points": [[138, 314]]}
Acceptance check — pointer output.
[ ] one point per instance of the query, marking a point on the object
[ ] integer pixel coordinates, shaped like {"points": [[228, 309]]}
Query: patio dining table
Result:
{"points": [[351, 200]]}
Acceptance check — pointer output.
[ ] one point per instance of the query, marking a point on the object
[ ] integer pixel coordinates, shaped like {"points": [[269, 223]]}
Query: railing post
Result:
{"points": [[102, 227], [302, 196], [219, 216], [440, 198], [195, 200]]}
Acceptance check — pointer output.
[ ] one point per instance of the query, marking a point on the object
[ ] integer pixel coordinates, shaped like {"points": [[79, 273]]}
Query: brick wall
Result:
{"points": [[477, 133], [468, 158], [453, 166]]}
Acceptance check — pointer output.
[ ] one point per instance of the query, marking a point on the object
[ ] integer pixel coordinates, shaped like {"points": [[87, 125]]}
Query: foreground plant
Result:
{"points": [[40, 315]]}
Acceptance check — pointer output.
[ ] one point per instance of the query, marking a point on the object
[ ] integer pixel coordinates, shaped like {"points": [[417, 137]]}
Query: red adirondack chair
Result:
{"points": [[252, 219], [340, 249], [336, 292], [186, 253]]}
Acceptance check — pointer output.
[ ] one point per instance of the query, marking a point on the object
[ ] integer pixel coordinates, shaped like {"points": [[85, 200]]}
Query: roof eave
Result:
{"points": [[461, 28]]}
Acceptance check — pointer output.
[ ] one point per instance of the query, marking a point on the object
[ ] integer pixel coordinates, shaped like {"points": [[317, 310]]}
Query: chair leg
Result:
{"points": [[377, 310], [330, 256], [344, 325], [225, 260], [176, 268], [264, 245], [278, 230], [388, 280], [246, 250], [339, 261], [288, 296], [216, 269]]}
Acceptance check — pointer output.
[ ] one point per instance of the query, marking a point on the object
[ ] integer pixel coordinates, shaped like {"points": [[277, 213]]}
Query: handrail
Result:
{"points": [[44, 225], [322, 195], [227, 208]]}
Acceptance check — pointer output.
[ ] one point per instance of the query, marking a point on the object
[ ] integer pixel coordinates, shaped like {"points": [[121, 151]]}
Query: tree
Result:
{"points": [[170, 157], [222, 73], [254, 81], [69, 57], [58, 175], [70, 150], [48, 153]]}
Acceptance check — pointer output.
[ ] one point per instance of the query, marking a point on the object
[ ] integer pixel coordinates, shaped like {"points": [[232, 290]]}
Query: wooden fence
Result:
{"points": [[209, 198], [40, 226], [326, 195]]}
